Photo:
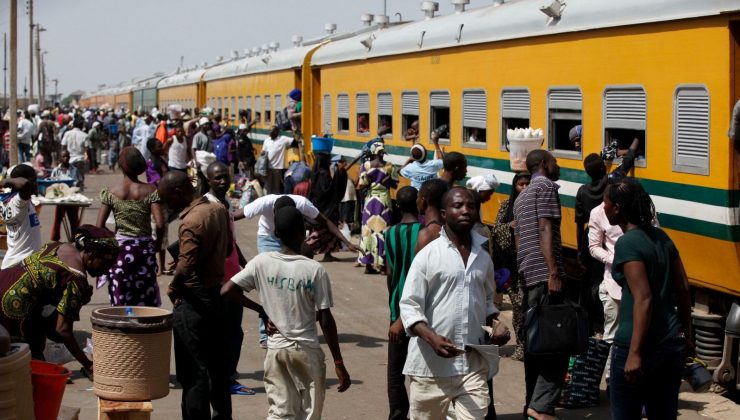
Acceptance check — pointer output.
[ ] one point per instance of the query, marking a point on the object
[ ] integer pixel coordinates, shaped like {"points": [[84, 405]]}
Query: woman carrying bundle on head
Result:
{"points": [[133, 280], [63, 267]]}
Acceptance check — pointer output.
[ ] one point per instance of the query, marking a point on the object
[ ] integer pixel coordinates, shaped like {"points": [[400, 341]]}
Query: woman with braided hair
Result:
{"points": [[42, 296], [654, 329], [133, 280]]}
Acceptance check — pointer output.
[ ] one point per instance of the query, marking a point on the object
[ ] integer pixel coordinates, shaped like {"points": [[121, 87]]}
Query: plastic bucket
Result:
{"points": [[49, 381], [131, 349], [322, 144], [518, 150]]}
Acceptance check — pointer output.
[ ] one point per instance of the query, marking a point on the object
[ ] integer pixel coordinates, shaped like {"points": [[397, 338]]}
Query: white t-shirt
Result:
{"points": [[178, 154], [75, 141], [24, 229], [264, 206], [291, 289], [276, 151]]}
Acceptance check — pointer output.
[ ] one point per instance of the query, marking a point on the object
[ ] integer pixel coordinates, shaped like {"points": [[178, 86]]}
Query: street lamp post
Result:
{"points": [[39, 29], [42, 70]]}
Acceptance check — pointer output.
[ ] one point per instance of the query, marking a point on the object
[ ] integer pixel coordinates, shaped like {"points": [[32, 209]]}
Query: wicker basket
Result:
{"points": [[131, 352]]}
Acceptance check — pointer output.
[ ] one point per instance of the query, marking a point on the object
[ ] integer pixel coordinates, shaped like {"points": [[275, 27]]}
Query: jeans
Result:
{"points": [[24, 152], [656, 389], [266, 244], [543, 374], [80, 166], [200, 350], [234, 338], [398, 398]]}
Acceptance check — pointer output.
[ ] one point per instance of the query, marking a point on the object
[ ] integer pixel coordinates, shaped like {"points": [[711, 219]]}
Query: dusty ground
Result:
{"points": [[361, 314]]}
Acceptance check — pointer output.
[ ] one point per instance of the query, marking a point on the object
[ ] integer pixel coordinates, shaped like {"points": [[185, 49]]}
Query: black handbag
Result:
{"points": [[556, 328]]}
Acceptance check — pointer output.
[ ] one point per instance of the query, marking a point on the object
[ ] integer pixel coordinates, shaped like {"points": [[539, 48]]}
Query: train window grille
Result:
{"points": [[515, 111], [258, 109], [249, 107], [409, 110], [564, 111], [343, 113], [240, 105], [327, 114], [362, 113], [233, 107], [475, 116], [385, 114], [220, 106], [691, 130], [439, 114], [278, 106], [625, 113]]}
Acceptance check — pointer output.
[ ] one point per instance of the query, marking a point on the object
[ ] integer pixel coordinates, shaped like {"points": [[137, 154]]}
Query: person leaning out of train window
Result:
{"points": [[412, 133], [418, 168], [575, 137], [33, 310]]}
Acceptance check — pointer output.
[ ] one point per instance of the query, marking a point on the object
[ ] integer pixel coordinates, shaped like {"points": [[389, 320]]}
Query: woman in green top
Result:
{"points": [[54, 277], [655, 313], [132, 281]]}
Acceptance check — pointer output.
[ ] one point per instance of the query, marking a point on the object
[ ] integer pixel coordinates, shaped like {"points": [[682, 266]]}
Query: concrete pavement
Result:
{"points": [[361, 313]]}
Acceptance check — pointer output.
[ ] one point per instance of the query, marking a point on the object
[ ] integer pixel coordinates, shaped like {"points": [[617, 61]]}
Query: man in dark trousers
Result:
{"points": [[540, 261], [199, 318]]}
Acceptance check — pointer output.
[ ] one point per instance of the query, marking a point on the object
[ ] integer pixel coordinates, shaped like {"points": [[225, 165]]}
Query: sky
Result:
{"points": [[94, 42]]}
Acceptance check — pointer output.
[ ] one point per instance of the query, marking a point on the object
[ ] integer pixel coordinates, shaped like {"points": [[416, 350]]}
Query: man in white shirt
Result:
{"points": [[448, 296], [295, 293], [19, 215], [26, 130], [276, 145], [75, 141]]}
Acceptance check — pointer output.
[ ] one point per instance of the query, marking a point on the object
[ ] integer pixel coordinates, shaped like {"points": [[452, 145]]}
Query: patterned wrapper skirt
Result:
{"points": [[376, 217], [132, 281]]}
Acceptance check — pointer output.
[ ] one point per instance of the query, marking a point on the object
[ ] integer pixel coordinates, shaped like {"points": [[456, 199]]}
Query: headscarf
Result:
{"points": [[96, 240], [575, 133], [514, 194], [423, 151], [376, 148], [482, 183]]}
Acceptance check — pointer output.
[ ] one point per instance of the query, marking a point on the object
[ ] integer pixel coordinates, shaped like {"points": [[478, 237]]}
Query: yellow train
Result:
{"points": [[663, 70]]}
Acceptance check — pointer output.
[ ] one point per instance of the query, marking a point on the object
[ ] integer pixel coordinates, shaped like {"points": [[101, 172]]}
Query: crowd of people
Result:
{"points": [[446, 269]]}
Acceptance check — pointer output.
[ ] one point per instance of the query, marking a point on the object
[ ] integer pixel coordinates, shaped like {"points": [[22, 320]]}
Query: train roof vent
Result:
{"points": [[274, 46], [367, 19], [219, 58], [460, 5], [429, 7], [204, 64], [255, 51], [264, 49], [297, 40], [158, 74], [234, 54], [381, 20], [330, 28], [498, 2]]}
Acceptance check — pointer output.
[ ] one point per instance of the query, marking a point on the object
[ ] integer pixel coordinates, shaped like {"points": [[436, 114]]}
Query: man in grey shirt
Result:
{"points": [[201, 142]]}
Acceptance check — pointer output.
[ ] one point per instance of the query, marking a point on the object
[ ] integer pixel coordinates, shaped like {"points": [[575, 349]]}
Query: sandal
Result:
{"points": [[168, 272], [239, 389]]}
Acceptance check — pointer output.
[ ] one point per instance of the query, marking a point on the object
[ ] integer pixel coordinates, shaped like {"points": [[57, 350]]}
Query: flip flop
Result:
{"points": [[239, 389]]}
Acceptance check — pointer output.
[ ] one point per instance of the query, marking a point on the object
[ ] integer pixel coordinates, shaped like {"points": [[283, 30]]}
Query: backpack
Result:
{"points": [[282, 120], [221, 149]]}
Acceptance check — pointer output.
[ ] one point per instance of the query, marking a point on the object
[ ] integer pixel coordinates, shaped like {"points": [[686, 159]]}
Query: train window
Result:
{"points": [[410, 115], [343, 113], [475, 117], [240, 104], [564, 111], [439, 114], [625, 110], [385, 114], [362, 111], [249, 109], [515, 111], [327, 114], [268, 109], [258, 109], [233, 107], [220, 105], [278, 105], [691, 130]]}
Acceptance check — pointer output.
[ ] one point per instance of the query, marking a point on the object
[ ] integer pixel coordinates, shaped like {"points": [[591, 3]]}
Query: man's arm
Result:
{"points": [[22, 185], [186, 262], [336, 232], [438, 152], [628, 158], [233, 293], [554, 283], [329, 327], [596, 238], [639, 285]]}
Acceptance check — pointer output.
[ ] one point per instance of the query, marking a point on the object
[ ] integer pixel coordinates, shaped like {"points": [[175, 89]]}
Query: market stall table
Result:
{"points": [[78, 205]]}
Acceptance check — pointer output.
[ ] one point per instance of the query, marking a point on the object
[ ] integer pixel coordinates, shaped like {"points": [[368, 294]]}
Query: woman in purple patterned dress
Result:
{"points": [[377, 178], [132, 281]]}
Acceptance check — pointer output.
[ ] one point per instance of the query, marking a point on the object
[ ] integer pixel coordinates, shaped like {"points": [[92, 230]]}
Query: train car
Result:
{"points": [[185, 88], [664, 74], [122, 96], [144, 94]]}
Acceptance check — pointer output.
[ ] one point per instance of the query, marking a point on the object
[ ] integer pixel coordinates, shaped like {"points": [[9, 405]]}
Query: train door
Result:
{"points": [[735, 96]]}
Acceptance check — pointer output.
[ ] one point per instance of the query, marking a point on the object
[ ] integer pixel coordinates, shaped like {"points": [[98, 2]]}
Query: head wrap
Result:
{"points": [[96, 240], [376, 148], [203, 121], [575, 133], [482, 183], [423, 151], [242, 126], [295, 94]]}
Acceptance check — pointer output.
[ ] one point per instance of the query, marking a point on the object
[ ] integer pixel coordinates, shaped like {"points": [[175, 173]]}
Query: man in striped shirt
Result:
{"points": [[400, 243], [540, 261]]}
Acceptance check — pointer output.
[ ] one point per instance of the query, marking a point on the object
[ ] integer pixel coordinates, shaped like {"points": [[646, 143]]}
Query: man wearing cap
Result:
{"points": [[418, 168]]}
